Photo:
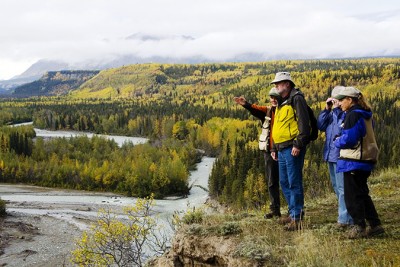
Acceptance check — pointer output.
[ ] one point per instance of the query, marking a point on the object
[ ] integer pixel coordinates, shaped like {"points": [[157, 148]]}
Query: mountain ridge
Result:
{"points": [[55, 83], [39, 68]]}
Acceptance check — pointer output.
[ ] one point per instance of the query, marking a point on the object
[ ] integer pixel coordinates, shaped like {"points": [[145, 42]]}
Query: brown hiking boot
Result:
{"points": [[293, 226], [356, 231], [376, 230]]}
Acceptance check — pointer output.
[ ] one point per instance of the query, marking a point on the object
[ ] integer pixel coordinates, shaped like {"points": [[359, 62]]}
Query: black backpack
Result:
{"points": [[313, 123]]}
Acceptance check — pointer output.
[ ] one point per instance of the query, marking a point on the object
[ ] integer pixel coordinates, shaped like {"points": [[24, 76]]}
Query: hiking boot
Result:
{"points": [[357, 231], [284, 220], [293, 226], [376, 230], [271, 215]]}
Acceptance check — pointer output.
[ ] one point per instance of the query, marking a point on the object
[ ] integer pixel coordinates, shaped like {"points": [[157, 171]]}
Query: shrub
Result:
{"points": [[112, 241], [193, 216], [230, 228]]}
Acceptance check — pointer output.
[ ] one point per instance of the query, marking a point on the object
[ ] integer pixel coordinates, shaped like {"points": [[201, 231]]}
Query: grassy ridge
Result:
{"points": [[207, 84], [320, 243]]}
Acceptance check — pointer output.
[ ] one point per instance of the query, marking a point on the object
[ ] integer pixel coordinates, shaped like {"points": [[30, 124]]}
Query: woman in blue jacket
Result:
{"points": [[329, 121], [358, 155]]}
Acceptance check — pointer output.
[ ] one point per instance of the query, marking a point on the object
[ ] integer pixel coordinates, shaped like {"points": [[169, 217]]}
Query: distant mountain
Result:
{"points": [[54, 83], [38, 69], [33, 73], [42, 66], [8, 86]]}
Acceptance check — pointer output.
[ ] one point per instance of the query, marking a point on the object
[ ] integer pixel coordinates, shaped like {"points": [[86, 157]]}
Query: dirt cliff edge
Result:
{"points": [[192, 250]]}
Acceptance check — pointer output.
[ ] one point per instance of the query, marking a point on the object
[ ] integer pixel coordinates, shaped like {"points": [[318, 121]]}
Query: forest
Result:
{"points": [[186, 111]]}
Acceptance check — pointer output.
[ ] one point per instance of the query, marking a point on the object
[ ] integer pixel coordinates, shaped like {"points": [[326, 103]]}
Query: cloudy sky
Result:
{"points": [[74, 31]]}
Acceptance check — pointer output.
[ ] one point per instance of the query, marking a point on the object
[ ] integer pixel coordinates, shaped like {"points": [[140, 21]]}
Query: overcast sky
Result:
{"points": [[74, 31]]}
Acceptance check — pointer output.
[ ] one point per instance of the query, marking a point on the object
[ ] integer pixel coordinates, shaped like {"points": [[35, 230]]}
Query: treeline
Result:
{"points": [[17, 140], [15, 114], [124, 117], [99, 164]]}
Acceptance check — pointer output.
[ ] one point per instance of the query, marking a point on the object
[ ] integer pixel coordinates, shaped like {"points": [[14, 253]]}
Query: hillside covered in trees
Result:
{"points": [[192, 106], [54, 83]]}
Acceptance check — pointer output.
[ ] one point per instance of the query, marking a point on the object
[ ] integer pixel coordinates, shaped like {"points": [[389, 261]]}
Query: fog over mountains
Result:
{"points": [[38, 69], [110, 61], [121, 58]]}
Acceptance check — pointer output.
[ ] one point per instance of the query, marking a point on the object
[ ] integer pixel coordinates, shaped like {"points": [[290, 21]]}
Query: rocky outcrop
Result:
{"points": [[202, 251]]}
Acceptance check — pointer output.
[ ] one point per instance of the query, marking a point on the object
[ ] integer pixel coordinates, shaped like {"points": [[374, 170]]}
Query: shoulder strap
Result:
{"points": [[290, 101]]}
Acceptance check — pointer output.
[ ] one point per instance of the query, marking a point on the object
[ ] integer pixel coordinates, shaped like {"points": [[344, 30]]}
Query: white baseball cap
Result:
{"points": [[336, 90]]}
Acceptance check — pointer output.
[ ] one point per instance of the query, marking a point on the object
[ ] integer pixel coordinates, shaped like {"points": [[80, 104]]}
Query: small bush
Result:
{"points": [[195, 229], [254, 248], [230, 228], [193, 216]]}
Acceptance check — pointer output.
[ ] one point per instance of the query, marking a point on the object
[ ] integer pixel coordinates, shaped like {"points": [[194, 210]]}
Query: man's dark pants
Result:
{"points": [[272, 177]]}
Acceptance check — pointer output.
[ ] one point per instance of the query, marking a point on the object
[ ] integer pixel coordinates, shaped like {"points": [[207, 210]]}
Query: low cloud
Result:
{"points": [[76, 31]]}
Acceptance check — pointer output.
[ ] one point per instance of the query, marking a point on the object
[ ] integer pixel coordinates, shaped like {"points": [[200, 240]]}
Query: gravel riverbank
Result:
{"points": [[33, 240], [42, 224]]}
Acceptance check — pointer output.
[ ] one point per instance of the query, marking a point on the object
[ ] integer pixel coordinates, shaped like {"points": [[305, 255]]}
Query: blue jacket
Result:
{"points": [[352, 132], [330, 122]]}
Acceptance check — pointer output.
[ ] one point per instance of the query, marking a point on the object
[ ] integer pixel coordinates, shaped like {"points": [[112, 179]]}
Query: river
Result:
{"points": [[120, 140], [73, 205]]}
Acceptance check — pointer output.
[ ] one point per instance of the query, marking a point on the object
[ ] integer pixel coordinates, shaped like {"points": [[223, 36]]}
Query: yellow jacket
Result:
{"points": [[285, 128], [292, 123]]}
